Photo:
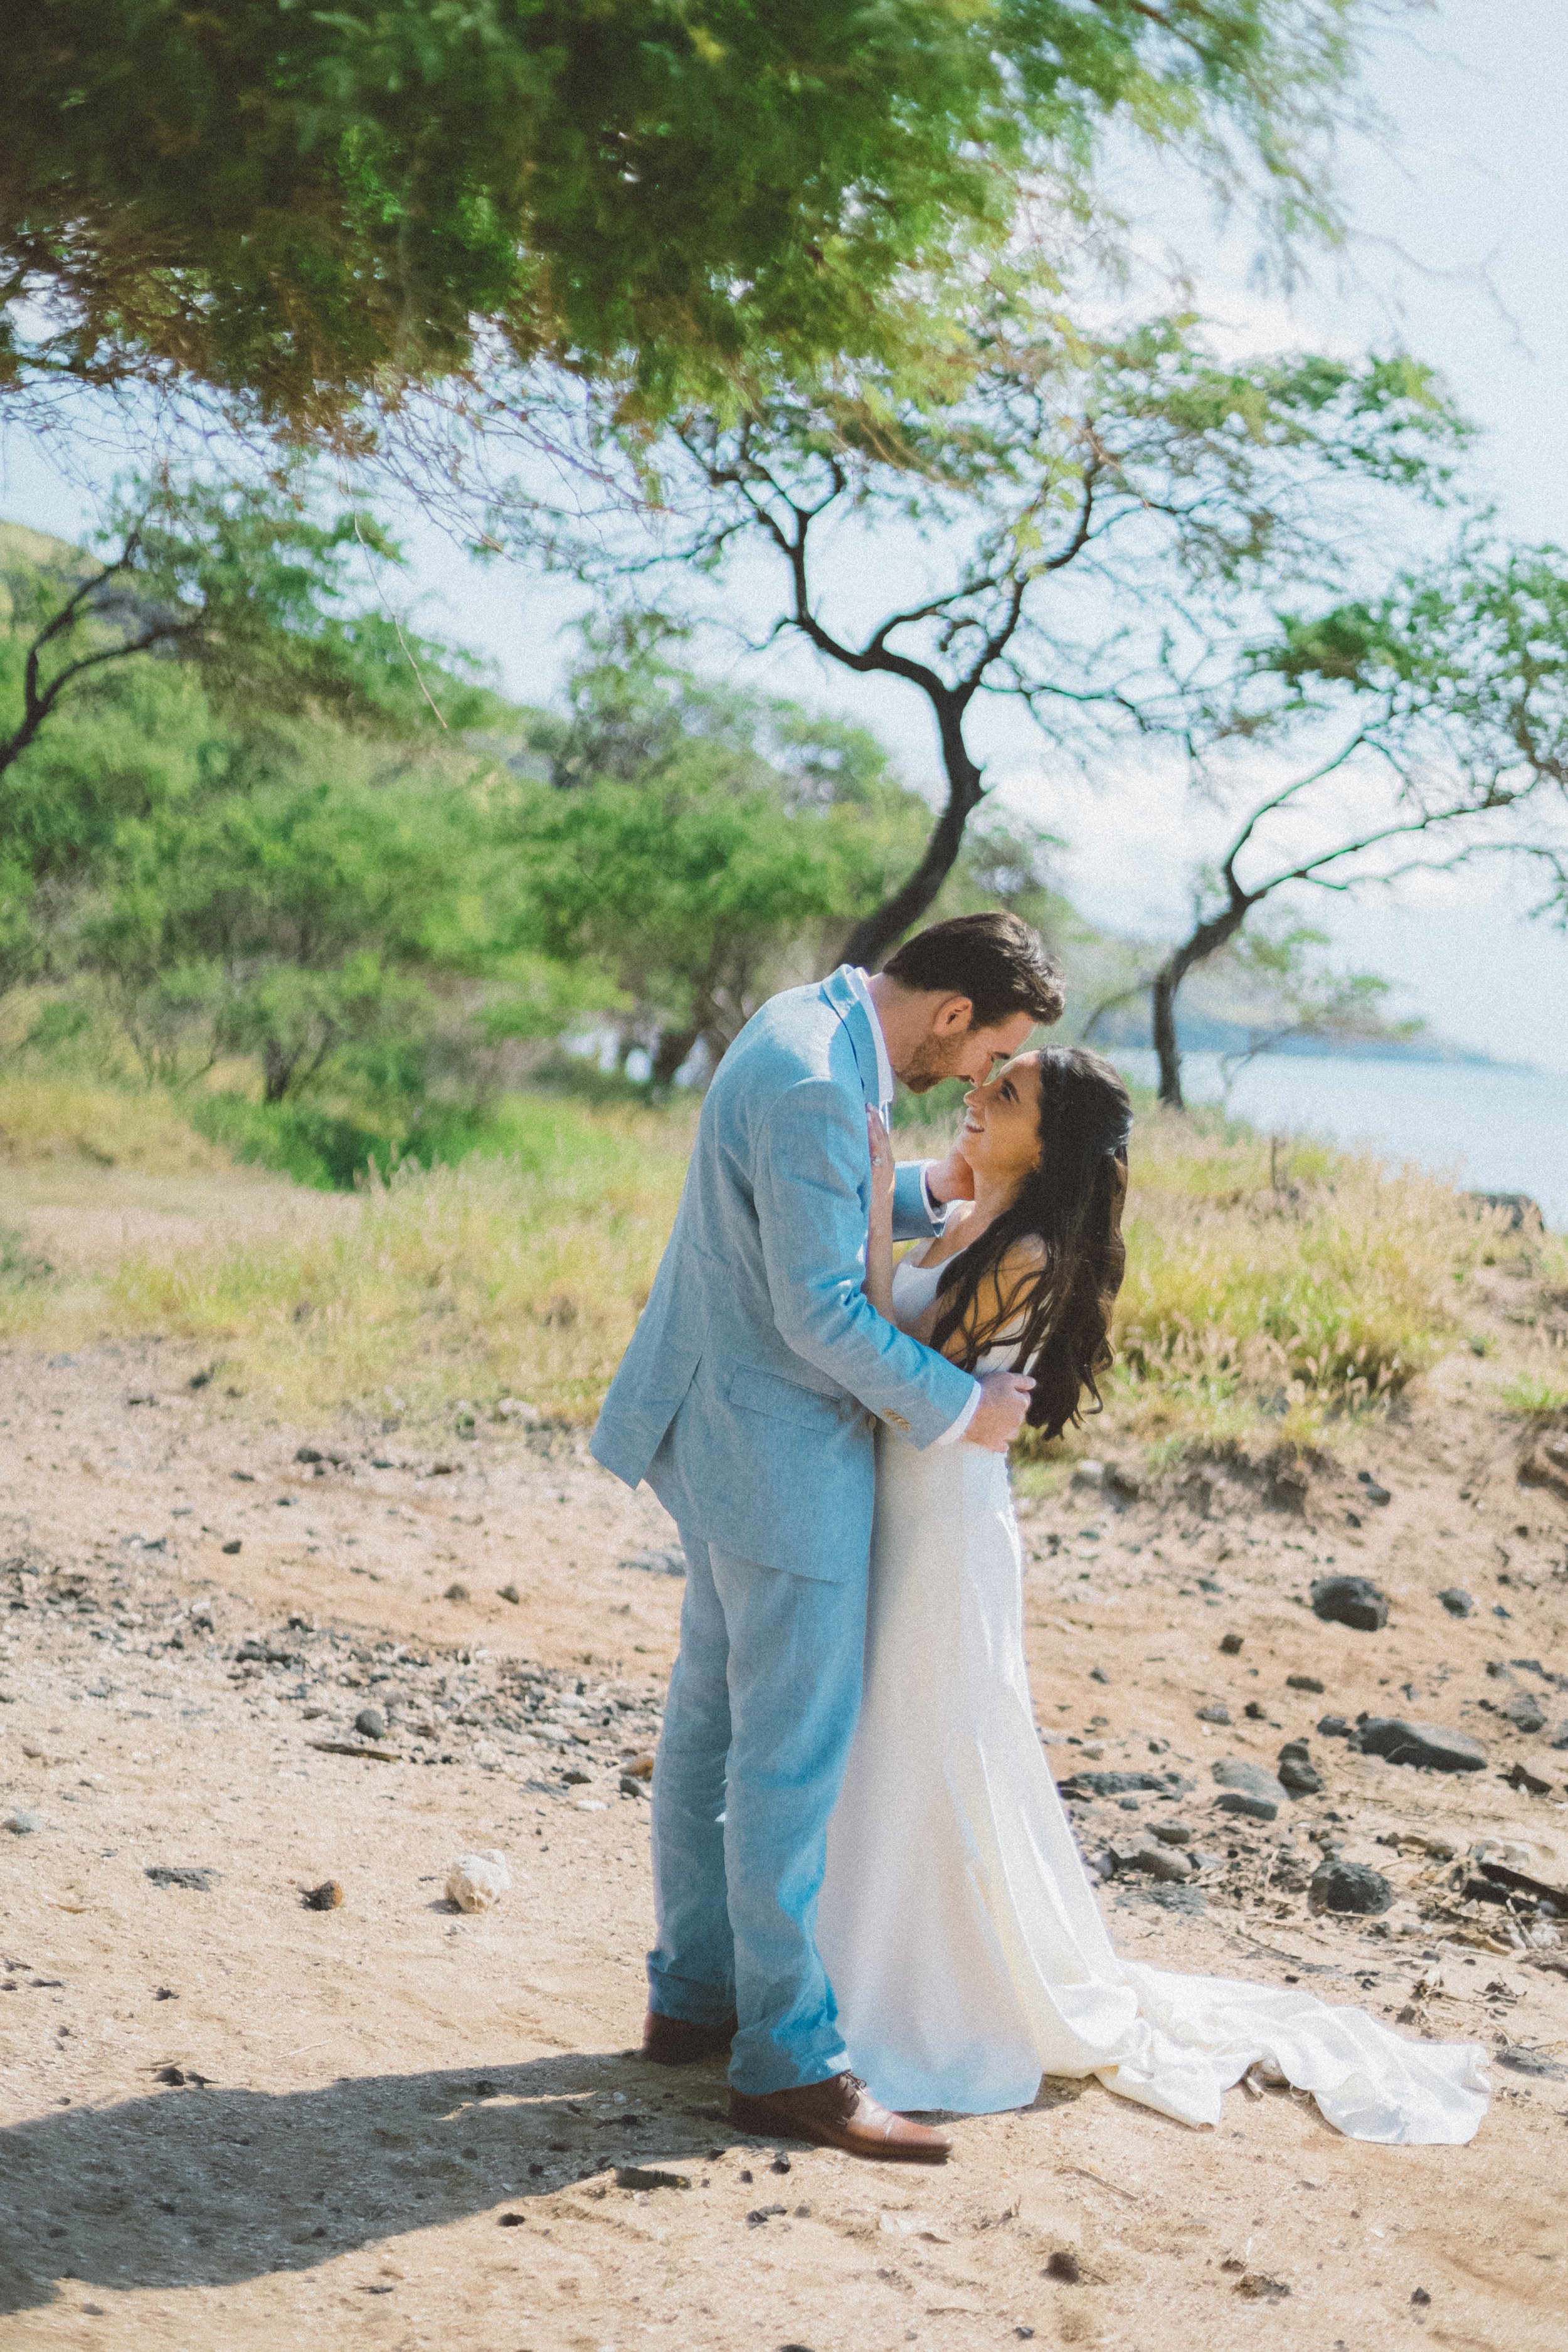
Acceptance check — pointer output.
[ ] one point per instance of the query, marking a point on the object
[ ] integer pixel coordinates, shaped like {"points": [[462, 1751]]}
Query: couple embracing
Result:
{"points": [[868, 1892]]}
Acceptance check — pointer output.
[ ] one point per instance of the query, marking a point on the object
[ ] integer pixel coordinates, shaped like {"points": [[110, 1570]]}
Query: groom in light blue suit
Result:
{"points": [[749, 1399]]}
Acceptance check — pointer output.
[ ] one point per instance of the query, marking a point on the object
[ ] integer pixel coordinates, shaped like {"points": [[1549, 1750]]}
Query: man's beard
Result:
{"points": [[934, 1060]]}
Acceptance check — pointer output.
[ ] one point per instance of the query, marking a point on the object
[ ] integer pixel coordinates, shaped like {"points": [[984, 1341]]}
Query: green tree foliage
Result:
{"points": [[700, 844], [374, 921], [250, 590], [299, 207], [168, 670], [294, 922]]}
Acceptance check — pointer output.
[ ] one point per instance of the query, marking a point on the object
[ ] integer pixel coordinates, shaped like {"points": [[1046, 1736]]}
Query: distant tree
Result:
{"points": [[1450, 697], [248, 588], [1077, 500], [132, 682], [307, 210]]}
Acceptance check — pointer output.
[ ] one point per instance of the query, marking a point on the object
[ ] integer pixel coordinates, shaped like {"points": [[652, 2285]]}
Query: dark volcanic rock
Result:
{"points": [[1421, 1744], [1161, 1861], [1456, 1601], [1304, 1682], [1297, 1771], [1123, 1784], [1335, 1726], [1526, 1713], [1248, 1789], [1255, 1780], [370, 1723], [1349, 1601], [1349, 1887], [1242, 1801]]}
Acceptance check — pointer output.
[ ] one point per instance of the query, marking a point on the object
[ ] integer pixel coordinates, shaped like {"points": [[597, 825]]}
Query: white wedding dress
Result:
{"points": [[959, 1926]]}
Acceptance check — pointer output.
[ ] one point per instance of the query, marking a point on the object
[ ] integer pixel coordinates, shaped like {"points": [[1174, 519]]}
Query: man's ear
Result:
{"points": [[952, 1016]]}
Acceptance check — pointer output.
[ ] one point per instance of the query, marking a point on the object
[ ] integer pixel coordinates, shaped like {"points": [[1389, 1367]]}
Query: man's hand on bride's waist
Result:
{"points": [[999, 1415]]}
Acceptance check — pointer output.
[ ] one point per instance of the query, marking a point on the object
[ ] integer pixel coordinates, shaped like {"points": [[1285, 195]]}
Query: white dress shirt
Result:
{"points": [[860, 983]]}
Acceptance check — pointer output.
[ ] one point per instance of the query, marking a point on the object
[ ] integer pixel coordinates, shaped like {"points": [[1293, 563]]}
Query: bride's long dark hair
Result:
{"points": [[1055, 1315]]}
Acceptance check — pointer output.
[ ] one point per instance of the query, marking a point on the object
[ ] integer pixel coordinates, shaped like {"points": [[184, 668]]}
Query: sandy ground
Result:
{"points": [[233, 2121]]}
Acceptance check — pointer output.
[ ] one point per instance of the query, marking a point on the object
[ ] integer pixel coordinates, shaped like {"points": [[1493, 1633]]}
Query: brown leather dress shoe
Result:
{"points": [[671, 2041], [839, 2113]]}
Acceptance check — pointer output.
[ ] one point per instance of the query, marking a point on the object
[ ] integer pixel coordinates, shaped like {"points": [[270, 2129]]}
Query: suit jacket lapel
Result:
{"points": [[852, 1013]]}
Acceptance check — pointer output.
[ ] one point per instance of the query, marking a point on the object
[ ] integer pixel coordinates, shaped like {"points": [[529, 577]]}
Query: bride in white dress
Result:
{"points": [[959, 1929]]}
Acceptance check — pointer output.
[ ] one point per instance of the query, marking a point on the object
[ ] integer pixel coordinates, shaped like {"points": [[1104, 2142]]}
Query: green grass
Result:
{"points": [[1535, 1399]]}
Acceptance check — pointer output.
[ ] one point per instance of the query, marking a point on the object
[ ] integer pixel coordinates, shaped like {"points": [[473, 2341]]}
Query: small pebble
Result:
{"points": [[328, 1897], [370, 1723], [477, 1882], [1231, 1644], [509, 1592], [1063, 2265], [456, 1593], [231, 1548]]}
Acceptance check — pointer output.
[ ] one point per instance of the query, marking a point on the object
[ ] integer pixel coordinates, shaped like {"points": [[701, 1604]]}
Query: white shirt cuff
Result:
{"points": [[950, 1435]]}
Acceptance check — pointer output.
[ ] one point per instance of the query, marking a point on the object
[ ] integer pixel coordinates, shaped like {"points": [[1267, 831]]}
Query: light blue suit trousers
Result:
{"points": [[762, 1707]]}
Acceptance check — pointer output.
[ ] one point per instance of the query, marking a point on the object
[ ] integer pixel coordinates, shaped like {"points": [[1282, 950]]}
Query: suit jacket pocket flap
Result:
{"points": [[782, 1400]]}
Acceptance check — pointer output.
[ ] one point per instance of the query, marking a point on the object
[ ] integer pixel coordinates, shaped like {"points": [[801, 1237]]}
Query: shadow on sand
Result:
{"points": [[208, 2187]]}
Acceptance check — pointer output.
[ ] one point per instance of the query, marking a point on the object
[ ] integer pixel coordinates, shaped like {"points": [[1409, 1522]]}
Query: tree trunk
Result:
{"points": [[674, 1045], [1206, 940], [1167, 1044], [277, 1071], [877, 934]]}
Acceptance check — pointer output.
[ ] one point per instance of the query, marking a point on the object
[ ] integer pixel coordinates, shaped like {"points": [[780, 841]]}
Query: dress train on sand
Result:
{"points": [[958, 1926]]}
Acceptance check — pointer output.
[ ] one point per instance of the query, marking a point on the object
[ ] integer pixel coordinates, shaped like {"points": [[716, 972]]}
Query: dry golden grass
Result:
{"points": [[1277, 1288], [107, 1127], [1271, 1291], [521, 1276]]}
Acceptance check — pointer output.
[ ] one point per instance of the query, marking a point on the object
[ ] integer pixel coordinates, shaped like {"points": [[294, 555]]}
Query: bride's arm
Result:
{"points": [[879, 1238]]}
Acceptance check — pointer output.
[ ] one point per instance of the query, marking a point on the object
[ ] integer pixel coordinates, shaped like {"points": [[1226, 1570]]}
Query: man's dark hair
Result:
{"points": [[994, 959]]}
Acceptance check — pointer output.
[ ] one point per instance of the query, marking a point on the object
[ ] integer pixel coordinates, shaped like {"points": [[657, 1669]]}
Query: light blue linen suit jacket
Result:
{"points": [[750, 1394]]}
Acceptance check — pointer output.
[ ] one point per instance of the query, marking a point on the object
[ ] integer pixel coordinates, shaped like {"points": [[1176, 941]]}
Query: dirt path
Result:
{"points": [[231, 2121]]}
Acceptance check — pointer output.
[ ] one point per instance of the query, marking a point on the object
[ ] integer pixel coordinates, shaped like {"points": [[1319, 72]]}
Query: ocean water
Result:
{"points": [[1491, 1129]]}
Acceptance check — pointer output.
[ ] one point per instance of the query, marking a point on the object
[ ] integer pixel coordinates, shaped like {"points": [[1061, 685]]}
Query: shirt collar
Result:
{"points": [[859, 983]]}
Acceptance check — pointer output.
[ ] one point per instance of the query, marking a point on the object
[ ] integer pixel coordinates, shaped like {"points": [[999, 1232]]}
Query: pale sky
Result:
{"points": [[1458, 252]]}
